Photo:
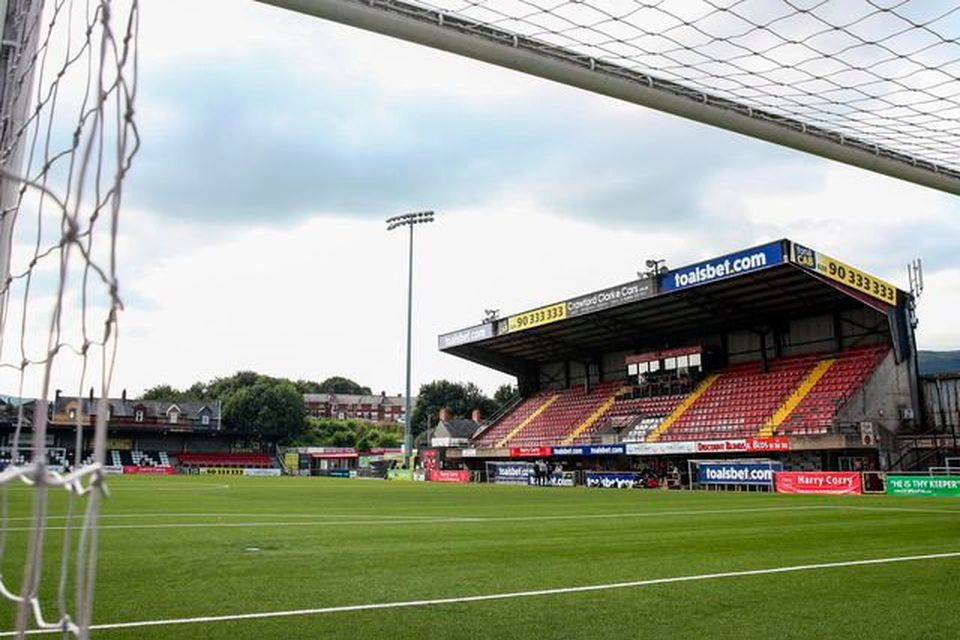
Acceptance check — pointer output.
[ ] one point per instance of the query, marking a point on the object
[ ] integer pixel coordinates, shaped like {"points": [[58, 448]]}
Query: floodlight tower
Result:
{"points": [[409, 220]]}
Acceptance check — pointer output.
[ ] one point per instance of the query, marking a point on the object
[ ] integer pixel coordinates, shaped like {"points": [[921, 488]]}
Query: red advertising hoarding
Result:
{"points": [[531, 452], [832, 482], [779, 443], [129, 469], [446, 475]]}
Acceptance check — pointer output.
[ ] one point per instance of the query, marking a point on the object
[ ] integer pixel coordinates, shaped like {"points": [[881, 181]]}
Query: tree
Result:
{"points": [[460, 398], [223, 388], [339, 384], [166, 393], [505, 395], [267, 409], [308, 386], [330, 432]]}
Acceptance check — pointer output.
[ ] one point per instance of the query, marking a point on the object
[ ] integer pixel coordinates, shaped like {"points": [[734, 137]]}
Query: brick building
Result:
{"points": [[374, 408]]}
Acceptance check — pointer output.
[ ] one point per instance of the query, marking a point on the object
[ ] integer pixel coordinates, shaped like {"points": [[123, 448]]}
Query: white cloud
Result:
{"points": [[937, 310], [328, 296]]}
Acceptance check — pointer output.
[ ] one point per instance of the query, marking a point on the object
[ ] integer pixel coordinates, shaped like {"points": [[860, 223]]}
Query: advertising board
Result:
{"points": [[556, 479], [660, 448], [399, 474], [446, 475], [778, 443], [536, 317], [610, 297], [263, 473], [829, 482], [843, 273], [742, 473], [530, 452], [509, 472], [466, 336], [590, 450], [218, 471], [898, 485], [613, 479], [727, 266], [751, 445], [130, 469], [570, 451]]}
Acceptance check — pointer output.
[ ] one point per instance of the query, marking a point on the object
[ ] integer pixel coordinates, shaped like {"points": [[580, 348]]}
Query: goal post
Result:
{"points": [[67, 138]]}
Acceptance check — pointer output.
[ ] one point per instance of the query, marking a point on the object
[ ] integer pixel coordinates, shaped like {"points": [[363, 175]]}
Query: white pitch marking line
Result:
{"points": [[128, 516], [502, 596], [397, 520], [444, 519]]}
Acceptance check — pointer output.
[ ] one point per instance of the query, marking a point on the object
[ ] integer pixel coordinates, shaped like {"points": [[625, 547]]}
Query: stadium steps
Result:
{"points": [[795, 398], [815, 414], [688, 402], [591, 419], [533, 416]]}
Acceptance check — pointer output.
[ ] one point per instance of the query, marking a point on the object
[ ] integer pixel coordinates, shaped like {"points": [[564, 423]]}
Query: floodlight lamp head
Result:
{"points": [[409, 219]]}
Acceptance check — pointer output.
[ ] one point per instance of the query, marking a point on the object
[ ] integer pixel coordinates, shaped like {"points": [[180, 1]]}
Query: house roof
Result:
{"points": [[127, 408], [457, 428]]}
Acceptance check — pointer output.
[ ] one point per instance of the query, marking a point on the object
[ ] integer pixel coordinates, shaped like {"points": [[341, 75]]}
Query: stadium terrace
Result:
{"points": [[776, 352]]}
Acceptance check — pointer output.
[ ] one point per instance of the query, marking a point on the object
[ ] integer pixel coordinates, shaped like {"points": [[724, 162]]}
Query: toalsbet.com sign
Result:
{"points": [[727, 266], [466, 336]]}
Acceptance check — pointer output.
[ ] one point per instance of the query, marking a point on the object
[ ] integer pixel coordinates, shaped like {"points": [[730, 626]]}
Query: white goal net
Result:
{"points": [[872, 83], [67, 138]]}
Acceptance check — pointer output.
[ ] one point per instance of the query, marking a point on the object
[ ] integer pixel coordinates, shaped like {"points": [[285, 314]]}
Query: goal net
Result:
{"points": [[67, 137], [871, 83]]}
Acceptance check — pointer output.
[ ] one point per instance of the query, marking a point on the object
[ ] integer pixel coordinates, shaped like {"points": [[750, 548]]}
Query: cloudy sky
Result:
{"points": [[276, 144]]}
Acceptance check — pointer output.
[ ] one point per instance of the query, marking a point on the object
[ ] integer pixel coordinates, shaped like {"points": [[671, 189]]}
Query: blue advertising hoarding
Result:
{"points": [[510, 472], [732, 264], [591, 450], [746, 473]]}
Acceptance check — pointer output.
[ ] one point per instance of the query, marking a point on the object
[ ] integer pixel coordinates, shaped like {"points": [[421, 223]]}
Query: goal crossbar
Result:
{"points": [[456, 34]]}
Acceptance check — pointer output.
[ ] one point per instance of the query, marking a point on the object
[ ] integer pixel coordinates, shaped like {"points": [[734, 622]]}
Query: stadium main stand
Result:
{"points": [[776, 342]]}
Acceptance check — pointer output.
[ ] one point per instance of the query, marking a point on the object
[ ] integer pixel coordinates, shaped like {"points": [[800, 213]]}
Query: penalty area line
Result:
{"points": [[500, 596]]}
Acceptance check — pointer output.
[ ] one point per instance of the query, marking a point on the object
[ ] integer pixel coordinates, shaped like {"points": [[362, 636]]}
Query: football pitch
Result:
{"points": [[236, 557]]}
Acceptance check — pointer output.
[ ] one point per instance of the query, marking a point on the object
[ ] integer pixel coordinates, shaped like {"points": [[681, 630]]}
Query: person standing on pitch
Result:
{"points": [[536, 473]]}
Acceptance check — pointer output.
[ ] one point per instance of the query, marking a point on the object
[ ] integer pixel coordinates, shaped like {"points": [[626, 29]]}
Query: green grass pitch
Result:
{"points": [[183, 547]]}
